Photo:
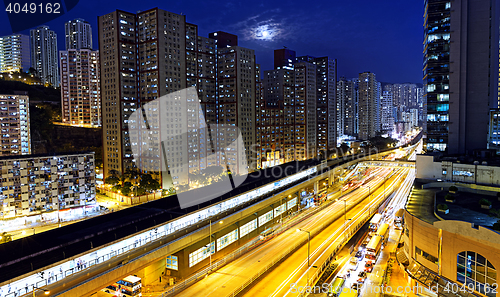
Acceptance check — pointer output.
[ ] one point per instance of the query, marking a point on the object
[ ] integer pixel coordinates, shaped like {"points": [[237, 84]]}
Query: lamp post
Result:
{"points": [[210, 240], [308, 244], [369, 194], [308, 252], [46, 292], [345, 219]]}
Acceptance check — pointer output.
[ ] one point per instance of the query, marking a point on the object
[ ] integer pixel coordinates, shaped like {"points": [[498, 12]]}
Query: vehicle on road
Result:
{"points": [[131, 286], [336, 287], [111, 289]]}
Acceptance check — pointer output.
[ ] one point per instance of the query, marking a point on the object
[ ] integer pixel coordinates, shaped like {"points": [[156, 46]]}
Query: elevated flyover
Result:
{"points": [[388, 164], [79, 259]]}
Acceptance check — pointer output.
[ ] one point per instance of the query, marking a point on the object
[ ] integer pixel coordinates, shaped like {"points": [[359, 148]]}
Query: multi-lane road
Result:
{"points": [[295, 269]]}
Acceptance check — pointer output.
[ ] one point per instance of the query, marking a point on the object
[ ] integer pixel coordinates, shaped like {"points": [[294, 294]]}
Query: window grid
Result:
{"points": [[473, 268], [291, 203], [227, 239], [263, 219], [279, 210], [201, 254], [172, 262], [248, 227]]}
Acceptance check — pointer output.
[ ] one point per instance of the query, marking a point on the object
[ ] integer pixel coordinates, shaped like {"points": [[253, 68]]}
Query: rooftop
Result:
{"points": [[465, 208]]}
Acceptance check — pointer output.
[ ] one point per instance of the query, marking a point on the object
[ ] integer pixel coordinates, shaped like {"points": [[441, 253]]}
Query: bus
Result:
{"points": [[375, 221], [398, 219], [264, 234], [348, 292], [130, 286], [383, 231], [336, 287], [373, 247]]}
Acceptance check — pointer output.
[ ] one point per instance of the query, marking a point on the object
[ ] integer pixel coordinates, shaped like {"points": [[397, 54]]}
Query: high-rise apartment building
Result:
{"points": [[36, 184], [284, 58], [44, 58], [14, 53], [135, 70], [327, 106], [288, 111], [276, 119], [460, 77], [140, 64], [305, 111], [78, 34], [80, 87], [367, 107], [15, 125], [236, 100], [386, 111], [223, 39], [347, 110], [420, 106]]}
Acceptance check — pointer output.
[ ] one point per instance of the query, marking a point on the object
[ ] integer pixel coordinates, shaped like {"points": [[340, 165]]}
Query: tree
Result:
{"points": [[213, 171], [344, 148], [32, 71], [148, 183], [484, 201], [126, 188], [453, 189], [382, 143], [496, 226], [114, 172], [111, 180]]}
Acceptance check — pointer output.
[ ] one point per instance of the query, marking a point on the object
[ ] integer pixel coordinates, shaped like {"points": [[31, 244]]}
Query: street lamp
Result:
{"points": [[210, 240], [308, 244], [46, 292], [369, 194]]}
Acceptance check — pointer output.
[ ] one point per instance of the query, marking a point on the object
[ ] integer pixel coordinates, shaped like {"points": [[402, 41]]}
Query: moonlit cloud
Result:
{"points": [[266, 26]]}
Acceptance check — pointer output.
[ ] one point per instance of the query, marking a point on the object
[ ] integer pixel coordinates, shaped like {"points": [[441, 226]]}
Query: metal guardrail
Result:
{"points": [[248, 246], [300, 243]]}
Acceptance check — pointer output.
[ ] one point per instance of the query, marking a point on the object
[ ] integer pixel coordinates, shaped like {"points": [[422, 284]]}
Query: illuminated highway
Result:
{"points": [[233, 275], [295, 270]]}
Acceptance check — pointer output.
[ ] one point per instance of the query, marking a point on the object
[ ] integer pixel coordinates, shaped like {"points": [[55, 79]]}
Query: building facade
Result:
{"points": [[236, 101], [44, 58], [460, 78], [78, 34], [171, 60], [327, 105], [14, 53], [386, 112], [80, 87], [42, 183], [15, 125], [368, 109], [347, 99]]}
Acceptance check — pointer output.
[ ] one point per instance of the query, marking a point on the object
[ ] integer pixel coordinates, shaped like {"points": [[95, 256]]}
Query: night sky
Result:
{"points": [[384, 37]]}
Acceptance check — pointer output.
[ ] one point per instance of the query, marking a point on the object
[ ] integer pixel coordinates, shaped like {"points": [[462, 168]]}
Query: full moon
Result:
{"points": [[265, 33]]}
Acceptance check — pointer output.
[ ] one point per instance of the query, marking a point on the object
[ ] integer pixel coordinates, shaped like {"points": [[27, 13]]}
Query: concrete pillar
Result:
{"points": [[152, 272], [316, 188]]}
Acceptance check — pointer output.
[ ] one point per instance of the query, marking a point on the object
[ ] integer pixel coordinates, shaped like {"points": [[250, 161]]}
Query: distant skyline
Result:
{"points": [[381, 37]]}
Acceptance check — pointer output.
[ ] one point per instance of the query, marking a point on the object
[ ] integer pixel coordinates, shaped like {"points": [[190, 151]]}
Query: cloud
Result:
{"points": [[266, 26]]}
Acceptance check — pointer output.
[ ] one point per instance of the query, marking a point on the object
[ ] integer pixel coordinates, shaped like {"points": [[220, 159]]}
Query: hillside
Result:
{"points": [[35, 92]]}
